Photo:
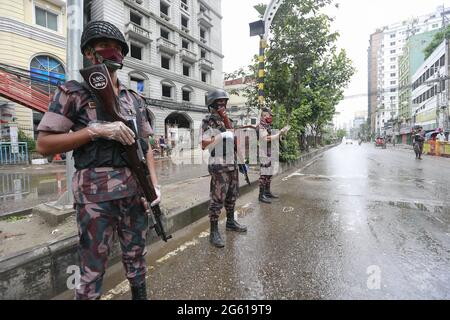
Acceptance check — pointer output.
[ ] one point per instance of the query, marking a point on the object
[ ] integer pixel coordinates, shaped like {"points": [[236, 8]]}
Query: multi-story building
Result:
{"points": [[175, 56], [413, 56], [430, 90], [373, 95], [394, 38], [32, 38], [239, 111]]}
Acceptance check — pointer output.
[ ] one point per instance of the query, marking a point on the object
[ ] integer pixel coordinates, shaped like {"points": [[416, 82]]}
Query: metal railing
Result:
{"points": [[13, 153]]}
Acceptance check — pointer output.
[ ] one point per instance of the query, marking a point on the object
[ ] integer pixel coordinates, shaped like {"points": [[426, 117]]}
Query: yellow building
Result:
{"points": [[32, 37]]}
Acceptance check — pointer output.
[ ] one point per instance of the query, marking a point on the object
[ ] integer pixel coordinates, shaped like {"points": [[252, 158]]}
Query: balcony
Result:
{"points": [[164, 16], [205, 19], [185, 29], [206, 64], [137, 32], [166, 46], [188, 56]]}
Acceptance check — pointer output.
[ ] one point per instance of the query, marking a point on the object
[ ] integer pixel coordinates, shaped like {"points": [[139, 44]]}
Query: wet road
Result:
{"points": [[25, 187], [357, 223]]}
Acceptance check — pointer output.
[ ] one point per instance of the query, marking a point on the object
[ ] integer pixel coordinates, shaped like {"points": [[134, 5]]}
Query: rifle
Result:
{"points": [[99, 83], [242, 167]]}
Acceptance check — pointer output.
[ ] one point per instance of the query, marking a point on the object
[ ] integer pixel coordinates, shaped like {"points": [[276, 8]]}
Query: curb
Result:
{"points": [[40, 273]]}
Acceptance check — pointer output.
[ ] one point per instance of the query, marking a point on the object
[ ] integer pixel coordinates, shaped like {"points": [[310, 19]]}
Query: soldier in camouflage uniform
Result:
{"points": [[107, 197], [265, 132], [224, 187]]}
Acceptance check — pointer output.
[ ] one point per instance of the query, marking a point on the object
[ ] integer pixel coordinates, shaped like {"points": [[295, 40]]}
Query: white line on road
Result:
{"points": [[124, 286], [439, 220]]}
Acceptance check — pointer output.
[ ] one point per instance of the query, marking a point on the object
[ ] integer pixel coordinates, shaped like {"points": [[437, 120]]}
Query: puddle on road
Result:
{"points": [[417, 206]]}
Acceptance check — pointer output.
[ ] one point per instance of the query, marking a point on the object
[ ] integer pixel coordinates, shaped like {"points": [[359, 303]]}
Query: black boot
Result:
{"points": [[233, 225], [269, 194], [139, 293], [262, 196], [214, 235]]}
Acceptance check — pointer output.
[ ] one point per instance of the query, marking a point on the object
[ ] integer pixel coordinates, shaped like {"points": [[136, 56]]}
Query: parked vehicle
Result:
{"points": [[380, 142]]}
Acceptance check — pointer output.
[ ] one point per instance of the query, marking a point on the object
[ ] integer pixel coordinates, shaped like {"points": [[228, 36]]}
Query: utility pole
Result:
{"points": [[261, 28], [74, 60]]}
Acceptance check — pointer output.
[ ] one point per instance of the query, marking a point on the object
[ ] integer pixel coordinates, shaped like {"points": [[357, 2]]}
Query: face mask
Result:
{"points": [[268, 120], [112, 58]]}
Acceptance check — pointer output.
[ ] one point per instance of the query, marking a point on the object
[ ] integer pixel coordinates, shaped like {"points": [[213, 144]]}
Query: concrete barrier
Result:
{"points": [[41, 272]]}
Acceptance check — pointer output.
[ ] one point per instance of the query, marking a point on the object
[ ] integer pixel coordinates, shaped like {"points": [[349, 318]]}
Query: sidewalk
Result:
{"points": [[35, 246]]}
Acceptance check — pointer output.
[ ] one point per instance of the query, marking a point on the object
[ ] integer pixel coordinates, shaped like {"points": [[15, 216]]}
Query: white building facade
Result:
{"points": [[175, 56], [430, 90], [395, 37]]}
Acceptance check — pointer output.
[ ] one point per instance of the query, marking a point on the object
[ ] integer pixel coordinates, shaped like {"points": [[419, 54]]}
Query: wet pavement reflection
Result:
{"points": [[22, 188], [357, 223]]}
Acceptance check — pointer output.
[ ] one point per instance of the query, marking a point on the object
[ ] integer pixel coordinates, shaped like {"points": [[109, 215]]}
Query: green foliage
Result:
{"points": [[437, 40], [305, 72], [15, 218], [341, 133], [261, 8], [24, 138]]}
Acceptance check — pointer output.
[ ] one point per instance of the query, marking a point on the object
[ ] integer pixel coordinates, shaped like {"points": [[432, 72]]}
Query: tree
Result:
{"points": [[22, 137], [437, 40], [341, 133], [305, 73]]}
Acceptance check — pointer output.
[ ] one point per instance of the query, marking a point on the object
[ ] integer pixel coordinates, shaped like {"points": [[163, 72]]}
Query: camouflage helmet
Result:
{"points": [[102, 30], [216, 95]]}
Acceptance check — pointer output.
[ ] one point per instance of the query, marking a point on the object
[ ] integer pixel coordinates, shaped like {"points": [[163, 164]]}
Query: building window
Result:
{"points": [[203, 54], [46, 19], [136, 52], [393, 59], [393, 74], [186, 70], [186, 95], [185, 44], [165, 34], [393, 82], [393, 51], [393, 35], [137, 84], [393, 67], [393, 43], [164, 9], [204, 76], [184, 5], [166, 91], [435, 25], [184, 23], [165, 62], [135, 18], [46, 73], [203, 35]]}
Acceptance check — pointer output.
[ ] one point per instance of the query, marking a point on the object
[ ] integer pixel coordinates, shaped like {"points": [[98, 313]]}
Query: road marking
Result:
{"points": [[439, 220], [293, 175], [124, 286]]}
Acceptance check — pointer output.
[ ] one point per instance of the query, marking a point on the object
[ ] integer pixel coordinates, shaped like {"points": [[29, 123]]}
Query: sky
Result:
{"points": [[355, 20]]}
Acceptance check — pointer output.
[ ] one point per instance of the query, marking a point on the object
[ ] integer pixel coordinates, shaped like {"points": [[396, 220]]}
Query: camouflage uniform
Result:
{"points": [[105, 199], [224, 187], [265, 157]]}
